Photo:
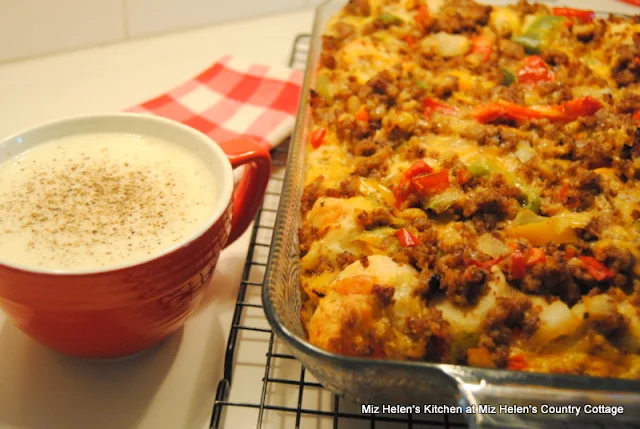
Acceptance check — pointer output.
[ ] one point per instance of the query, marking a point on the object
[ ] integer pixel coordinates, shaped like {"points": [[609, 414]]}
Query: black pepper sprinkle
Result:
{"points": [[91, 204]]}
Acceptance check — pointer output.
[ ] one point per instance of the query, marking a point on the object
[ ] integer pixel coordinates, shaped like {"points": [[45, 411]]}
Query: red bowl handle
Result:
{"points": [[249, 192]]}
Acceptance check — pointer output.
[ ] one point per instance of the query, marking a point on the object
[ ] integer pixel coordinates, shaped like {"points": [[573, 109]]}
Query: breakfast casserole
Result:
{"points": [[471, 193]]}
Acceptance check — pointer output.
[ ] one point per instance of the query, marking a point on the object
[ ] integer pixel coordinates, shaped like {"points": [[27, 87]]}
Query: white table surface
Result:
{"points": [[171, 386]]}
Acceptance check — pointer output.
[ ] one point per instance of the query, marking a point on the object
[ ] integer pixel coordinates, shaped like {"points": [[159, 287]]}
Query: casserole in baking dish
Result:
{"points": [[461, 190], [472, 187]]}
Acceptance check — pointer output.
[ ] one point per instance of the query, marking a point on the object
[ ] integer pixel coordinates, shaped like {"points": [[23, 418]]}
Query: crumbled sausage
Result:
{"points": [[311, 193], [629, 102], [464, 286], [511, 49], [358, 7], [307, 234], [551, 278], [627, 69], [344, 259], [374, 219], [461, 16], [384, 294], [510, 314], [446, 86], [555, 58]]}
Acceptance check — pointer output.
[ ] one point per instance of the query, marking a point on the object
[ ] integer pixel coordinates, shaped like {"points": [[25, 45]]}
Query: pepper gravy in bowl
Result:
{"points": [[111, 226]]}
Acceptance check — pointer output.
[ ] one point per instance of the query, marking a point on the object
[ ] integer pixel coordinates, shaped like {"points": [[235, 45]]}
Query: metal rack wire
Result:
{"points": [[270, 388]]}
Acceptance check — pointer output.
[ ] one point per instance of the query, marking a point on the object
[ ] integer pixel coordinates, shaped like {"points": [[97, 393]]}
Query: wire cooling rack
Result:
{"points": [[264, 387]]}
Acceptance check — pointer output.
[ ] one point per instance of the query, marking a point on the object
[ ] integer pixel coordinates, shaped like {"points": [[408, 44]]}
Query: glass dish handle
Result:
{"points": [[486, 405]]}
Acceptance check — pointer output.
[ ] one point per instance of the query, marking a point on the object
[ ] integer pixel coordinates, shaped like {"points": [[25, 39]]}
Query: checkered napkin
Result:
{"points": [[234, 99]]}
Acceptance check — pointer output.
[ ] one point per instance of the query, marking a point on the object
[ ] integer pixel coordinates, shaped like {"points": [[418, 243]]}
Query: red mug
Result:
{"points": [[115, 312]]}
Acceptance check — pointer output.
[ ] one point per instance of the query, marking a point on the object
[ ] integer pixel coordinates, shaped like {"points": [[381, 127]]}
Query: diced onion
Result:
{"points": [[377, 240], [526, 217], [583, 91], [556, 320], [572, 220], [449, 236], [599, 305], [632, 334], [435, 6], [492, 246], [524, 152], [505, 20], [447, 45]]}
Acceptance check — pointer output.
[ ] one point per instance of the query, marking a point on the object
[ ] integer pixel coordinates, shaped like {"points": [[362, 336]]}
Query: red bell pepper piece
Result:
{"points": [[422, 17], [574, 109], [534, 256], [418, 167], [317, 137], [506, 110], [490, 112], [566, 112], [432, 105], [406, 238], [517, 362], [517, 265], [535, 70], [431, 184], [562, 193], [362, 115], [401, 192], [483, 46], [632, 2], [410, 40], [584, 16], [636, 115], [596, 269], [463, 175]]}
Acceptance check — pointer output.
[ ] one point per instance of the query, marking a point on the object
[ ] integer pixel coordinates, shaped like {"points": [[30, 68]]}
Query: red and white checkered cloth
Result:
{"points": [[234, 99]]}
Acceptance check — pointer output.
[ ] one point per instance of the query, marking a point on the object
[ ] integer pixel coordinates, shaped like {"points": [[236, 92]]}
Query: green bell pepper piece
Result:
{"points": [[508, 78], [322, 86], [441, 202], [532, 200], [422, 85], [390, 19], [539, 33], [479, 168]]}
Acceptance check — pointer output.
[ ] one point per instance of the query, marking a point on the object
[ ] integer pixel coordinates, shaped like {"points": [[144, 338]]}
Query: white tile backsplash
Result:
{"points": [[31, 28], [146, 17], [35, 27]]}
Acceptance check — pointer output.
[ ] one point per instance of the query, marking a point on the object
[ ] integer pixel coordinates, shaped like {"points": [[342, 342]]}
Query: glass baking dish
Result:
{"points": [[481, 394]]}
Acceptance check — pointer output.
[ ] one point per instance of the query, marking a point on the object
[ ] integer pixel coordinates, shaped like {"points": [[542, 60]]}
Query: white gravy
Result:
{"points": [[92, 201]]}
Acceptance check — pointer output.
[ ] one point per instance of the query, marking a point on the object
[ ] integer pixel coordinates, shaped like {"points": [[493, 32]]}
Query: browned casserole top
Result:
{"points": [[472, 187]]}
